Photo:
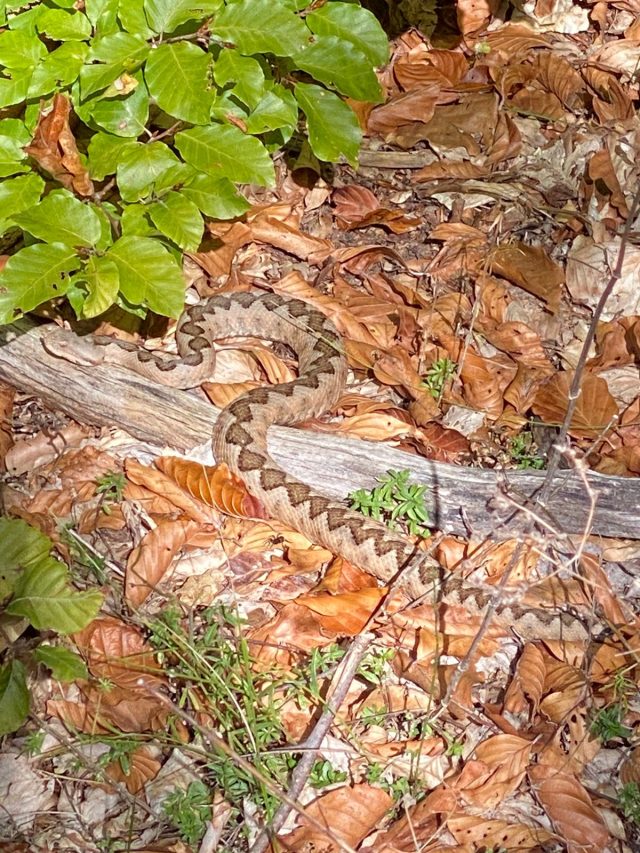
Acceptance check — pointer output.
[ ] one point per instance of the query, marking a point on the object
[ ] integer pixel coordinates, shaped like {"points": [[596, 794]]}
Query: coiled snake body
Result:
{"points": [[240, 440]]}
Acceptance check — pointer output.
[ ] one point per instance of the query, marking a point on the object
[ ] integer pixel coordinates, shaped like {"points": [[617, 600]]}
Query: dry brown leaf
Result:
{"points": [[357, 207], [54, 148], [277, 226], [279, 641], [496, 833], [498, 770], [605, 182], [485, 380], [347, 613], [521, 343], [149, 564], [117, 652], [349, 814], [165, 486], [7, 396], [565, 687], [570, 810], [595, 409], [473, 15], [514, 39], [223, 393], [530, 268], [214, 485], [98, 711], [142, 767], [527, 685]]}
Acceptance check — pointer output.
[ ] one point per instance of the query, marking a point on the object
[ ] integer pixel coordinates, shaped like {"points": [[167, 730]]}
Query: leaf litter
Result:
{"points": [[489, 256]]}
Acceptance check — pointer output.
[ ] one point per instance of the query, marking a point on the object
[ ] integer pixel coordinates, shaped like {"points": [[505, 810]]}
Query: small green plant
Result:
{"points": [[373, 665], [213, 669], [394, 500], [629, 801], [33, 743], [607, 723], [521, 452], [111, 486], [438, 375], [189, 811], [323, 773], [36, 587]]}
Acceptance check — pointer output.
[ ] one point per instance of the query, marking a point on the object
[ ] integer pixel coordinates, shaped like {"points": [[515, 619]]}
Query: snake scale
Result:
{"points": [[240, 440]]}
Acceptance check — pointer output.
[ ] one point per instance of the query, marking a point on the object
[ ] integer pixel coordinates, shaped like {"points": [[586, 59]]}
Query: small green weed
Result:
{"points": [[438, 375], [394, 500], [213, 670], [324, 773], [607, 723], [111, 486], [629, 801], [33, 743], [521, 452], [189, 811]]}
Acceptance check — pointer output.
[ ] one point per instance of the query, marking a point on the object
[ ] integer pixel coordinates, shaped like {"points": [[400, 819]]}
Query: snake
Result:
{"points": [[239, 439]]}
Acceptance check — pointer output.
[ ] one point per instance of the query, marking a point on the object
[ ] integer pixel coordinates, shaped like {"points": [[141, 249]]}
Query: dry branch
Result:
{"points": [[460, 500]]}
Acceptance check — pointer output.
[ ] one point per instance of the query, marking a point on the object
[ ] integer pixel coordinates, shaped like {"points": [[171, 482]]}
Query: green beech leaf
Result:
{"points": [[19, 194], [124, 49], [59, 69], [177, 77], [103, 15], [215, 197], [243, 73], [64, 26], [105, 152], [62, 218], [135, 221], [333, 127], [14, 88], [43, 596], [20, 50], [64, 664], [351, 23], [145, 168], [149, 275], [226, 152], [14, 697], [13, 137], [123, 116], [20, 545], [339, 64], [102, 282], [260, 26], [278, 108], [165, 15], [179, 219], [34, 275]]}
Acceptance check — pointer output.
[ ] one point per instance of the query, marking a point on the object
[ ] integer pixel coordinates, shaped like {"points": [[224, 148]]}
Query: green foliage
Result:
{"points": [[111, 486], [395, 499], [607, 723], [176, 103], [629, 801], [323, 773], [214, 665], [37, 588], [189, 811], [521, 451], [64, 664], [438, 375]]}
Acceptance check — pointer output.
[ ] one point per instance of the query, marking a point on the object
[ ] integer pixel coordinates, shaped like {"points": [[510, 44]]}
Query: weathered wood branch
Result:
{"points": [[460, 500]]}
